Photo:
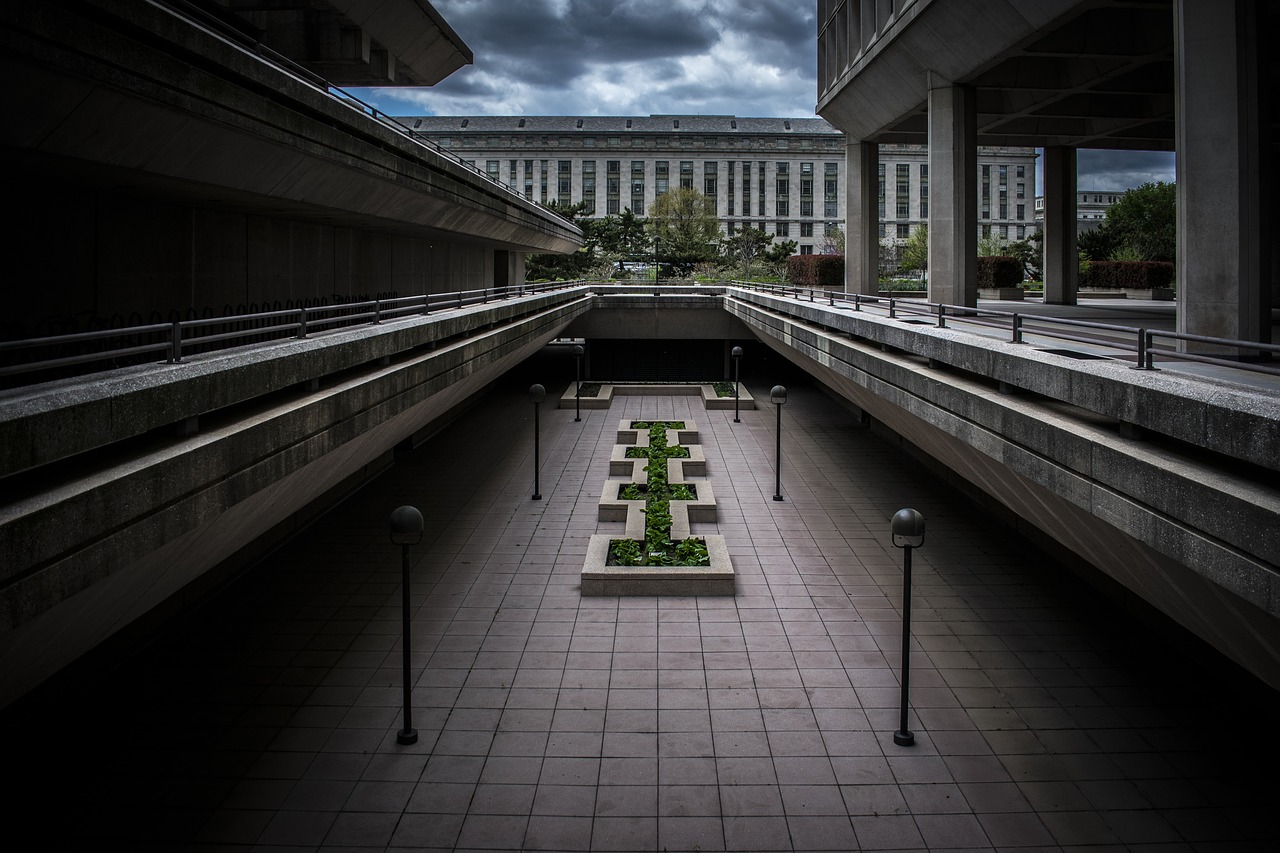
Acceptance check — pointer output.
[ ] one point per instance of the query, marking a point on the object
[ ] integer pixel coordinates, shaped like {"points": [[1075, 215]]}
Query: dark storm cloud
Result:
{"points": [[593, 57], [1106, 170]]}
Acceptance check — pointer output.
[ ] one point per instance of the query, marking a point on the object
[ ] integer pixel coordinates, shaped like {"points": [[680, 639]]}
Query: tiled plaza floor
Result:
{"points": [[547, 720]]}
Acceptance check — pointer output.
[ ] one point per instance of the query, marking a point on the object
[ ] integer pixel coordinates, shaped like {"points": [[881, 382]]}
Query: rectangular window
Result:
{"points": [[564, 173], [686, 174], [1022, 171], [613, 187], [806, 229], [1022, 211], [783, 206], [880, 196], [760, 164], [904, 230], [542, 174], [806, 250], [493, 168], [589, 186], [782, 229], [1022, 231], [746, 188], [729, 194], [1022, 190], [710, 183], [903, 206], [528, 179], [661, 177], [511, 171], [924, 191], [637, 187]]}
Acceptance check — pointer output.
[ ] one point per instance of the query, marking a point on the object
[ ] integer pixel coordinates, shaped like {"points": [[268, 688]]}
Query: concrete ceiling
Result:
{"points": [[1098, 75]]}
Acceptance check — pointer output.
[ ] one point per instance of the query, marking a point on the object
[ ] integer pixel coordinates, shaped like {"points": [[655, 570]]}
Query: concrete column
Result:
{"points": [[862, 220], [1222, 264], [1061, 261], [953, 204]]}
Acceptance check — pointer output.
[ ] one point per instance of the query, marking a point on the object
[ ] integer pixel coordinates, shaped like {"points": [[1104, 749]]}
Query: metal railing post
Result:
{"points": [[377, 311], [426, 303], [1017, 328], [1144, 351], [893, 308], [175, 344], [302, 323], [942, 315], [857, 302]]}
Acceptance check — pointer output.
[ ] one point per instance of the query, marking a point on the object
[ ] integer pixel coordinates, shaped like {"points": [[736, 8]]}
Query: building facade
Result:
{"points": [[783, 176], [1091, 208]]}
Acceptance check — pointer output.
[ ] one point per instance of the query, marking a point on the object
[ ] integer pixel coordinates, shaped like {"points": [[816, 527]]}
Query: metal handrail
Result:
{"points": [[176, 341], [1020, 324]]}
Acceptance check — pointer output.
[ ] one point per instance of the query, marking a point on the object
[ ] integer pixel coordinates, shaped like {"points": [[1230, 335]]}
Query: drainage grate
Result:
{"points": [[1084, 356]]}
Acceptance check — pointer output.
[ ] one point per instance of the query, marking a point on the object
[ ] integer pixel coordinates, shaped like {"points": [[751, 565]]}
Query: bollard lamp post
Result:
{"points": [[406, 530], [778, 396], [577, 388], [736, 352], [907, 528], [536, 395]]}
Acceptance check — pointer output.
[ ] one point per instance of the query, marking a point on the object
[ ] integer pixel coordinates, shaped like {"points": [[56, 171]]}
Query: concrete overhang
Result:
{"points": [[158, 105], [1081, 73]]}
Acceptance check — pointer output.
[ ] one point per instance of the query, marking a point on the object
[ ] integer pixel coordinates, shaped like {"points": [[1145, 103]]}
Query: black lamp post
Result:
{"points": [[778, 396], [536, 395], [577, 388], [907, 528], [736, 352], [406, 530]]}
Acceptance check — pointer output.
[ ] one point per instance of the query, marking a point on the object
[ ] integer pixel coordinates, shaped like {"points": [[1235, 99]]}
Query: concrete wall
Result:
{"points": [[89, 255]]}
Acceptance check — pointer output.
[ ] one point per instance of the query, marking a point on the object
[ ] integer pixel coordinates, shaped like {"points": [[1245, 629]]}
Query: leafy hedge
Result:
{"points": [[1113, 275], [816, 270], [999, 271]]}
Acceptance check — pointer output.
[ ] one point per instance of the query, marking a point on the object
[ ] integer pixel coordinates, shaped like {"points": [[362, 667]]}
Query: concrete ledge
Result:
{"points": [[599, 579], [710, 400]]}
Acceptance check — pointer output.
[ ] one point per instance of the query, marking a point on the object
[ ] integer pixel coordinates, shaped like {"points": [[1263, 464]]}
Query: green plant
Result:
{"points": [[657, 548], [723, 389]]}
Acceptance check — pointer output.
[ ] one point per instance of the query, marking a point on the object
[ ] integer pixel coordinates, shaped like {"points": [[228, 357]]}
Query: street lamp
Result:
{"points": [[736, 352], [577, 388], [907, 528], [406, 530], [778, 396], [536, 395]]}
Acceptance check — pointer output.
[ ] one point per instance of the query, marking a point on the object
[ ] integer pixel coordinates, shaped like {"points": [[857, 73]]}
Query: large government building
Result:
{"points": [[785, 176]]}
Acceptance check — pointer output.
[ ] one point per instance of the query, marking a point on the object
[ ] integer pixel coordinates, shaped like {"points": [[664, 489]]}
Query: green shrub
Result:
{"points": [[999, 271], [1113, 275]]}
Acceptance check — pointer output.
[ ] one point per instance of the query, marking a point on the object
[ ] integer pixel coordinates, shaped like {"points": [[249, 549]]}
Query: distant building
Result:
{"points": [[784, 176], [1091, 208]]}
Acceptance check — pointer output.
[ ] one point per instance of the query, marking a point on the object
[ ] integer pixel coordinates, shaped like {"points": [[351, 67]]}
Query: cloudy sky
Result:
{"points": [[753, 58]]}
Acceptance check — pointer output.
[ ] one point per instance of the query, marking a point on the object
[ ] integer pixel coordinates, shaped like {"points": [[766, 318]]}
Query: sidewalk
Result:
{"points": [[1044, 717]]}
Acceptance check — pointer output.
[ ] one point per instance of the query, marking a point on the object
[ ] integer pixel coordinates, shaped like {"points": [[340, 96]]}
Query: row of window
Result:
{"points": [[902, 194], [686, 178], [902, 230], [748, 142]]}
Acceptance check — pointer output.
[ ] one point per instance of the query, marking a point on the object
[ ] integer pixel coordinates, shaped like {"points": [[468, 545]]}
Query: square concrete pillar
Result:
{"points": [[1222, 265], [953, 203], [1061, 260], [862, 219]]}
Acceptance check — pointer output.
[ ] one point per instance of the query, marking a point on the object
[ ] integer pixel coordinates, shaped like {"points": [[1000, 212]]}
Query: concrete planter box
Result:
{"points": [[1014, 293], [600, 579], [710, 400]]}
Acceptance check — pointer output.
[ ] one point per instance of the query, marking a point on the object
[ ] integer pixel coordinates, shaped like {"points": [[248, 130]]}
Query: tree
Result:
{"points": [[618, 238], [776, 257], [832, 241], [1143, 223], [915, 252], [548, 266], [1031, 252], [745, 246], [684, 227]]}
